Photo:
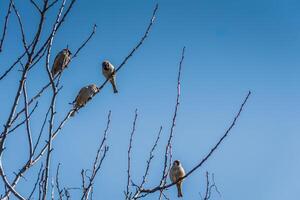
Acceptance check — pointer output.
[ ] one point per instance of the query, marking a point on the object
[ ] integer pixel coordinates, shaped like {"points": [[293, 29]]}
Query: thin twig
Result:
{"points": [[41, 131], [36, 182], [8, 185], [21, 28], [52, 4], [12, 66], [28, 130], [52, 189], [60, 191], [86, 41], [151, 156], [209, 187], [97, 162], [127, 193], [168, 151], [5, 25], [36, 6], [23, 122]]}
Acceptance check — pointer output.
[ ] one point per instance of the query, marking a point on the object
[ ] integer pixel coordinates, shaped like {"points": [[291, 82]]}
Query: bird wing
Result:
{"points": [[172, 175], [182, 172], [113, 73], [66, 60], [58, 62], [79, 95]]}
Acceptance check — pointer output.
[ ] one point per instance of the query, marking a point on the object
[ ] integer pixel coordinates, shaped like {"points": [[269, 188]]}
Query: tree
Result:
{"points": [[38, 51]]}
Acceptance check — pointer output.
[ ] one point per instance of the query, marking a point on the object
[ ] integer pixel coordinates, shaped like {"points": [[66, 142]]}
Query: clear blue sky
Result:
{"points": [[232, 46]]}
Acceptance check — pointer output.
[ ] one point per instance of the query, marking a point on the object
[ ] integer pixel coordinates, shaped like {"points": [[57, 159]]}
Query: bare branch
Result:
{"points": [[31, 59], [138, 45], [22, 122], [168, 151], [38, 59], [52, 4], [5, 25], [60, 191], [52, 189], [97, 163], [19, 90], [41, 131], [159, 188], [41, 183], [21, 28], [12, 66], [86, 41], [209, 187], [36, 182], [127, 193], [38, 32], [151, 156], [34, 43], [29, 137], [67, 193], [36, 6], [83, 183], [8, 185]]}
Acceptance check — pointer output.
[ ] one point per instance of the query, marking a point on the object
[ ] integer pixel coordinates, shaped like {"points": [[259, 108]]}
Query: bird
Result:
{"points": [[177, 172], [109, 73], [85, 94], [61, 61]]}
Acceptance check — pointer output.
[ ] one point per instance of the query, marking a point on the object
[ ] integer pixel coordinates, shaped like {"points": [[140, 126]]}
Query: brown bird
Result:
{"points": [[109, 72], [84, 95], [177, 172], [61, 61]]}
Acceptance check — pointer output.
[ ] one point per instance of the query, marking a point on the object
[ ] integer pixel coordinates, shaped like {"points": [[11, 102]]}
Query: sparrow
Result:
{"points": [[61, 61], [85, 94], [177, 172], [109, 72]]}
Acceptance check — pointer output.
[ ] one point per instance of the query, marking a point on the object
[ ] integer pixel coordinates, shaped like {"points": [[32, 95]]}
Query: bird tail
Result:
{"points": [[179, 190], [53, 72], [73, 112], [113, 83]]}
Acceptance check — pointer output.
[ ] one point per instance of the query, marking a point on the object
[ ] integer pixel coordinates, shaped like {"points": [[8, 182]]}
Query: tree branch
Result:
{"points": [[29, 137], [97, 163], [151, 156], [86, 41], [128, 193], [5, 25], [159, 188]]}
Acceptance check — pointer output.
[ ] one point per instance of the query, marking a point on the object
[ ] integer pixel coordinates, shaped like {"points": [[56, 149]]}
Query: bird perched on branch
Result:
{"points": [[177, 172], [61, 61], [109, 73], [85, 94]]}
